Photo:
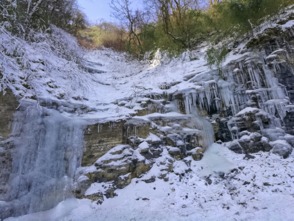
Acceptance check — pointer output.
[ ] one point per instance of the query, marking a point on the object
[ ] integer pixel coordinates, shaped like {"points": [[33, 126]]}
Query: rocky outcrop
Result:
{"points": [[118, 162], [250, 106], [8, 105], [117, 152], [100, 138], [254, 93], [135, 127], [267, 82], [250, 143], [118, 166], [249, 119]]}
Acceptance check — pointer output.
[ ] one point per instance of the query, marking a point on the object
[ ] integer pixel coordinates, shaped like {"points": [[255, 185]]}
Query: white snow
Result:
{"points": [[248, 110], [153, 138], [214, 161], [143, 146], [97, 188], [288, 24], [121, 79], [257, 189]]}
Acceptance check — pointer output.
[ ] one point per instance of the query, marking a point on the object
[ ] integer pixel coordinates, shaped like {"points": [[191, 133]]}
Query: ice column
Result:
{"points": [[47, 150]]}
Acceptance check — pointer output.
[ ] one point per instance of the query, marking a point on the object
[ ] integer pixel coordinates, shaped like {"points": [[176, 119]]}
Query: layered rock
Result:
{"points": [[118, 166], [8, 105], [100, 138], [127, 149]]}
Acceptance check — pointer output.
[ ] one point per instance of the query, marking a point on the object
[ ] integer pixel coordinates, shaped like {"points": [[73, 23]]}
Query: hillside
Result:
{"points": [[97, 135]]}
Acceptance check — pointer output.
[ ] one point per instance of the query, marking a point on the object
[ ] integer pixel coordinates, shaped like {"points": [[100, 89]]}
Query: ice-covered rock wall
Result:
{"points": [[263, 79], [253, 93]]}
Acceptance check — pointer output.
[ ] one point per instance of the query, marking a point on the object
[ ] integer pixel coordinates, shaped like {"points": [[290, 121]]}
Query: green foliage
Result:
{"points": [[148, 36], [103, 35], [178, 25], [180, 38], [236, 17], [183, 28], [241, 16]]}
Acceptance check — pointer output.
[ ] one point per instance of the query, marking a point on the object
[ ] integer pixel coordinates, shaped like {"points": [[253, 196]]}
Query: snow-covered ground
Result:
{"points": [[222, 186]]}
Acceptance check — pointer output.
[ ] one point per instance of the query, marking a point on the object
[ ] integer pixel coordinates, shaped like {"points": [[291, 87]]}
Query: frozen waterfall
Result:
{"points": [[200, 122], [47, 149]]}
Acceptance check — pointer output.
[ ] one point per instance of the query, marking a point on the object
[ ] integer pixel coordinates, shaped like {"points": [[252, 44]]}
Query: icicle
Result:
{"points": [[234, 130], [277, 91], [187, 104], [227, 95], [99, 126]]}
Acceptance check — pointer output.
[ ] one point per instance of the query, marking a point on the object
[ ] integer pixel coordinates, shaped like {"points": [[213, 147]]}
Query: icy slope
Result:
{"points": [[98, 80]]}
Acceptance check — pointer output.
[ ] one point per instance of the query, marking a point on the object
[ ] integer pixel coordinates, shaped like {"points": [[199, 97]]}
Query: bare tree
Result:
{"points": [[130, 19], [176, 19]]}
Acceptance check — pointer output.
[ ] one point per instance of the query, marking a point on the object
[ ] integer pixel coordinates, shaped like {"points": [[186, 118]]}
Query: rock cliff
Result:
{"points": [[250, 103], [8, 105]]}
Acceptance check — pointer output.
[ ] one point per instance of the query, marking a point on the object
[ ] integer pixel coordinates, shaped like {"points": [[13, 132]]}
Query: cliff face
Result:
{"points": [[255, 92], [145, 122], [249, 103], [8, 105]]}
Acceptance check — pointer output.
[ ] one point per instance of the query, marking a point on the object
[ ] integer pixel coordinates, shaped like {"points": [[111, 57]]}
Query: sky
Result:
{"points": [[99, 10]]}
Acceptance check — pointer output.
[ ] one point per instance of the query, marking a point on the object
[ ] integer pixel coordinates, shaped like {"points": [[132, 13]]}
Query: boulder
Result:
{"points": [[175, 152], [197, 153], [281, 148], [173, 139], [250, 143], [236, 147]]}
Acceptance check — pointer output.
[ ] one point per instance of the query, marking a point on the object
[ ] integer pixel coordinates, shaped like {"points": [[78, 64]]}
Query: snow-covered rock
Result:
{"points": [[282, 148]]}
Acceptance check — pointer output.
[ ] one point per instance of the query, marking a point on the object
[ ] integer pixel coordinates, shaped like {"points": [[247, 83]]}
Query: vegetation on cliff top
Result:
{"points": [[177, 25], [24, 17], [171, 25]]}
